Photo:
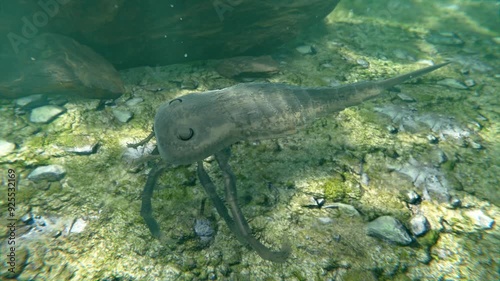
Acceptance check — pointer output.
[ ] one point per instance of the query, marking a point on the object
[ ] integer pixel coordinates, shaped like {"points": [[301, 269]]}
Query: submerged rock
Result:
{"points": [[480, 219], [6, 147], [419, 225], [31, 101], [389, 229], [247, 67], [203, 228], [433, 183], [46, 113], [58, 65], [122, 115], [48, 173], [305, 49]]}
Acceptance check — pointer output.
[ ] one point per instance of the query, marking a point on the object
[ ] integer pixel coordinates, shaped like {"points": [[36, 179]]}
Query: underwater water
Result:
{"points": [[404, 186]]}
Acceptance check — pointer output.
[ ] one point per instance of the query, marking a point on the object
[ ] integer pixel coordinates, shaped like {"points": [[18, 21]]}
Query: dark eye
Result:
{"points": [[175, 100], [185, 134]]}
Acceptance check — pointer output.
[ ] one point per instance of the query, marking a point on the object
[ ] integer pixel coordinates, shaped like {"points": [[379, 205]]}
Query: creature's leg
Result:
{"points": [[144, 141], [240, 222], [209, 187], [147, 193]]}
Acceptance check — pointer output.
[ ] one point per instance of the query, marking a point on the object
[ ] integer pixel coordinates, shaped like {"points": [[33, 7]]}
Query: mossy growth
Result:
{"points": [[341, 187], [429, 239], [355, 275]]}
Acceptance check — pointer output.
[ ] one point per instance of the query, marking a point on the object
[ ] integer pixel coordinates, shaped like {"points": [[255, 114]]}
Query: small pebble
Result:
{"points": [[27, 219], [45, 114], [122, 115], [406, 98], [452, 83], [6, 147], [325, 220], [455, 202], [469, 83], [134, 101], [389, 229], [392, 129], [305, 49], [49, 173], [480, 219], [476, 145], [78, 226], [365, 180], [85, 149], [445, 38], [410, 196], [31, 101], [203, 228], [432, 139], [419, 225], [345, 208], [363, 63], [189, 85]]}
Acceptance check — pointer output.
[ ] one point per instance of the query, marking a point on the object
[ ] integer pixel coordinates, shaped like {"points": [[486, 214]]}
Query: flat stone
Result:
{"points": [[241, 67], [389, 229], [78, 226], [452, 83], [419, 225], [480, 219], [46, 113], [345, 208], [305, 49], [49, 173], [84, 149], [134, 101], [405, 97], [6, 147], [122, 115], [31, 101]]}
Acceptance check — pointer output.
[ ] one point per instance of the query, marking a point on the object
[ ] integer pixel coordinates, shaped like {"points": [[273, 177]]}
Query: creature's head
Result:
{"points": [[191, 128]]}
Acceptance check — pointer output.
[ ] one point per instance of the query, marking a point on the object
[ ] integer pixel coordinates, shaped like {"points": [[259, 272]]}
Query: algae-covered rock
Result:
{"points": [[389, 229], [48, 173]]}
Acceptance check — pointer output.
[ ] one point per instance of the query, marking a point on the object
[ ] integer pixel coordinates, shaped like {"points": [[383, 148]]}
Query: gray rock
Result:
{"points": [[419, 225], [122, 115], [189, 85], [134, 101], [389, 229], [469, 82], [452, 83], [480, 219], [49, 173], [455, 202], [325, 220], [344, 208], [31, 101], [203, 228], [46, 113], [432, 181], [6, 147], [84, 149], [444, 38], [78, 226], [410, 196], [363, 63], [432, 139], [305, 49], [405, 97]]}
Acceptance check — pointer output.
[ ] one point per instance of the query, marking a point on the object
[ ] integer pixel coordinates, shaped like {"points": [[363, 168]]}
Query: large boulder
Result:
{"points": [[157, 32], [53, 64]]}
